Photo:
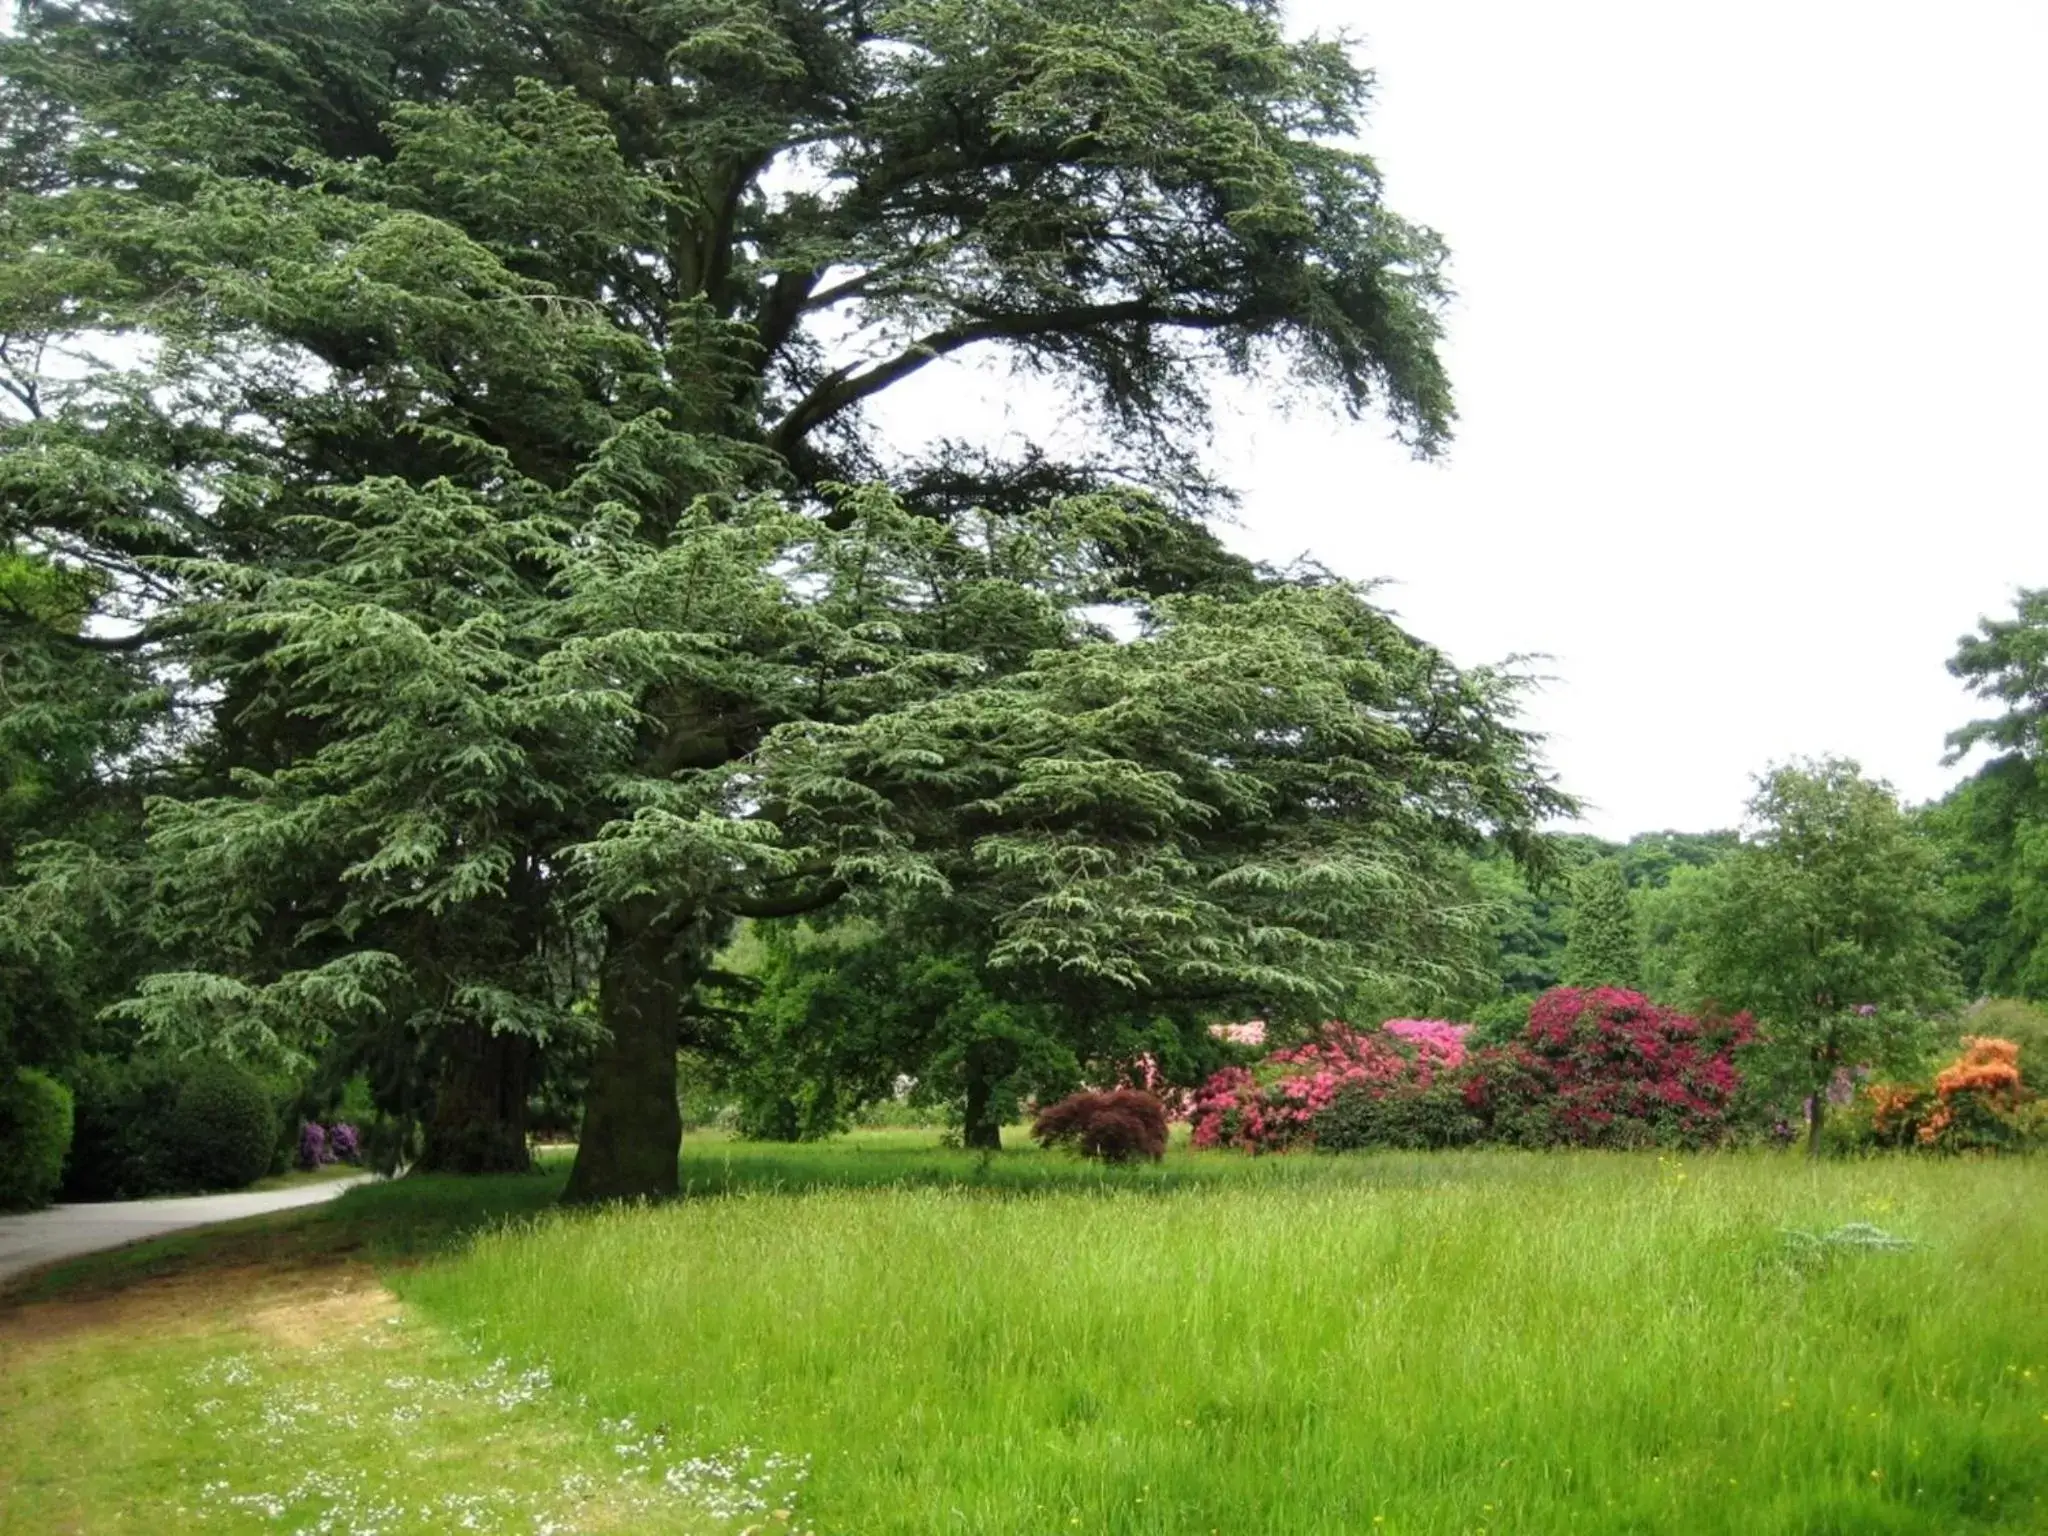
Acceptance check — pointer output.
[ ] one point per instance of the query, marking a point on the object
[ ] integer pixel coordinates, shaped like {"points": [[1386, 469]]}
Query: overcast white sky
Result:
{"points": [[1749, 349]]}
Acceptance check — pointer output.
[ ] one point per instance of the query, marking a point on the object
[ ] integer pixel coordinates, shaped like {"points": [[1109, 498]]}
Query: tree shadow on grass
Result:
{"points": [[421, 1217], [397, 1222]]}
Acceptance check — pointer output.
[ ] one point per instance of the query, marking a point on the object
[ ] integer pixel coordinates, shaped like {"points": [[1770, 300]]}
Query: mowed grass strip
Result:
{"points": [[1446, 1343]]}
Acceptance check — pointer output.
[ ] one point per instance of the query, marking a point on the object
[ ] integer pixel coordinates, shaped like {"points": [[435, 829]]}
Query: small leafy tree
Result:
{"points": [[1825, 924], [841, 1012], [1602, 946]]}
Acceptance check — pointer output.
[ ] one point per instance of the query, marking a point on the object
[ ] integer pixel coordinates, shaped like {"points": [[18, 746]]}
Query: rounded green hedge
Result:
{"points": [[117, 1152], [35, 1133], [222, 1128]]}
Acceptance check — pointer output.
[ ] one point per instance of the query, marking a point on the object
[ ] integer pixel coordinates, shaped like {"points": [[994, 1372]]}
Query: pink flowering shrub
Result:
{"points": [[1273, 1106], [1603, 1067]]}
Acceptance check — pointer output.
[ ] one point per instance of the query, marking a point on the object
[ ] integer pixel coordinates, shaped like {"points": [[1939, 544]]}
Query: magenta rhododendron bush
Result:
{"points": [[1272, 1106], [1604, 1067]]}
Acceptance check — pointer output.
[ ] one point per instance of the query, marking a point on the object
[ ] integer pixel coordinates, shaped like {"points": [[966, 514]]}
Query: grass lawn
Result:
{"points": [[891, 1338]]}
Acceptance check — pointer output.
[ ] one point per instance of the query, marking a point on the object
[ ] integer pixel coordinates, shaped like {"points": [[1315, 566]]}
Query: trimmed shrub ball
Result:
{"points": [[1112, 1127], [223, 1128], [35, 1133]]}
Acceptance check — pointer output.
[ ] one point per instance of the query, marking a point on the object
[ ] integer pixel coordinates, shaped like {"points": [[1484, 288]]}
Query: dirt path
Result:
{"points": [[65, 1231]]}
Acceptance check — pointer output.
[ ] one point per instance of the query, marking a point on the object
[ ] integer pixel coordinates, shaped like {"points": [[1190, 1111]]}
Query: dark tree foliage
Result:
{"points": [[1117, 1126], [74, 765], [455, 404]]}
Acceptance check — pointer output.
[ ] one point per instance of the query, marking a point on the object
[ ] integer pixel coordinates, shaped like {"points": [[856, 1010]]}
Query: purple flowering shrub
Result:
{"points": [[320, 1146], [313, 1149]]}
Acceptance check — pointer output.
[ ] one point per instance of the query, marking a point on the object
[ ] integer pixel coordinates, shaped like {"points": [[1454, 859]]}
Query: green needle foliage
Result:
{"points": [[1603, 947], [461, 401], [1993, 829]]}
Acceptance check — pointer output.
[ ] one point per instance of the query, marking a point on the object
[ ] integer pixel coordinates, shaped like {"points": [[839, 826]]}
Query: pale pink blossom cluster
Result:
{"points": [[1432, 1037], [1251, 1032]]}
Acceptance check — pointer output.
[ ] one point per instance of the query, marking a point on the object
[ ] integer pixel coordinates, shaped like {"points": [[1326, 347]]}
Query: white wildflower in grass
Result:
{"points": [[368, 1452]]}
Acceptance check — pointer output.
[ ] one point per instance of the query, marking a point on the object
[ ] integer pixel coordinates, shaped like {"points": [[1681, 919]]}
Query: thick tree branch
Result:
{"points": [[798, 904], [788, 300], [844, 388]]}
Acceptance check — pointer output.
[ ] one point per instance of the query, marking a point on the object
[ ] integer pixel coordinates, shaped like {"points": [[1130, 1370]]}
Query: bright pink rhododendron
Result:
{"points": [[1444, 1041], [1273, 1105]]}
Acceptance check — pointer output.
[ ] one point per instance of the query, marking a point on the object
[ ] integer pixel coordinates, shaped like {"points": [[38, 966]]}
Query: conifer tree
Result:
{"points": [[1603, 947], [458, 401]]}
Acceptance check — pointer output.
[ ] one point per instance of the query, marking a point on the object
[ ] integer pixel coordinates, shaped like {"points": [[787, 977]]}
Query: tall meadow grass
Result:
{"points": [[1483, 1342]]}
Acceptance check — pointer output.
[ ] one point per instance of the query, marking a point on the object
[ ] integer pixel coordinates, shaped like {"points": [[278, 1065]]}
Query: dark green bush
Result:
{"points": [[35, 1133], [222, 1129], [117, 1150], [1367, 1115], [154, 1126], [1501, 1019]]}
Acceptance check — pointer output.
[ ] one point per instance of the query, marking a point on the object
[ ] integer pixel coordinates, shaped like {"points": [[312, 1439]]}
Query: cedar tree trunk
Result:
{"points": [[632, 1129], [478, 1123]]}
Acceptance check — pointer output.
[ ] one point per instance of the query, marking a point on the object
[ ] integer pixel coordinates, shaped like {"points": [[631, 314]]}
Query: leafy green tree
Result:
{"points": [[1651, 860], [1825, 924], [1603, 947], [843, 1013], [468, 458], [1671, 917], [1527, 938]]}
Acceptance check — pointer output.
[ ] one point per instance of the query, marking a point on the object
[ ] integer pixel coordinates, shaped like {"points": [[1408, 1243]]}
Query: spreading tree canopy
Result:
{"points": [[457, 405]]}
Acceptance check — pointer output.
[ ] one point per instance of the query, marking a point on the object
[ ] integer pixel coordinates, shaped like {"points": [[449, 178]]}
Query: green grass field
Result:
{"points": [[895, 1339]]}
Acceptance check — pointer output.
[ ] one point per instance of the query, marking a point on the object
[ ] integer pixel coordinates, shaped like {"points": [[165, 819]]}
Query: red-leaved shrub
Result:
{"points": [[1603, 1067], [1112, 1127]]}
